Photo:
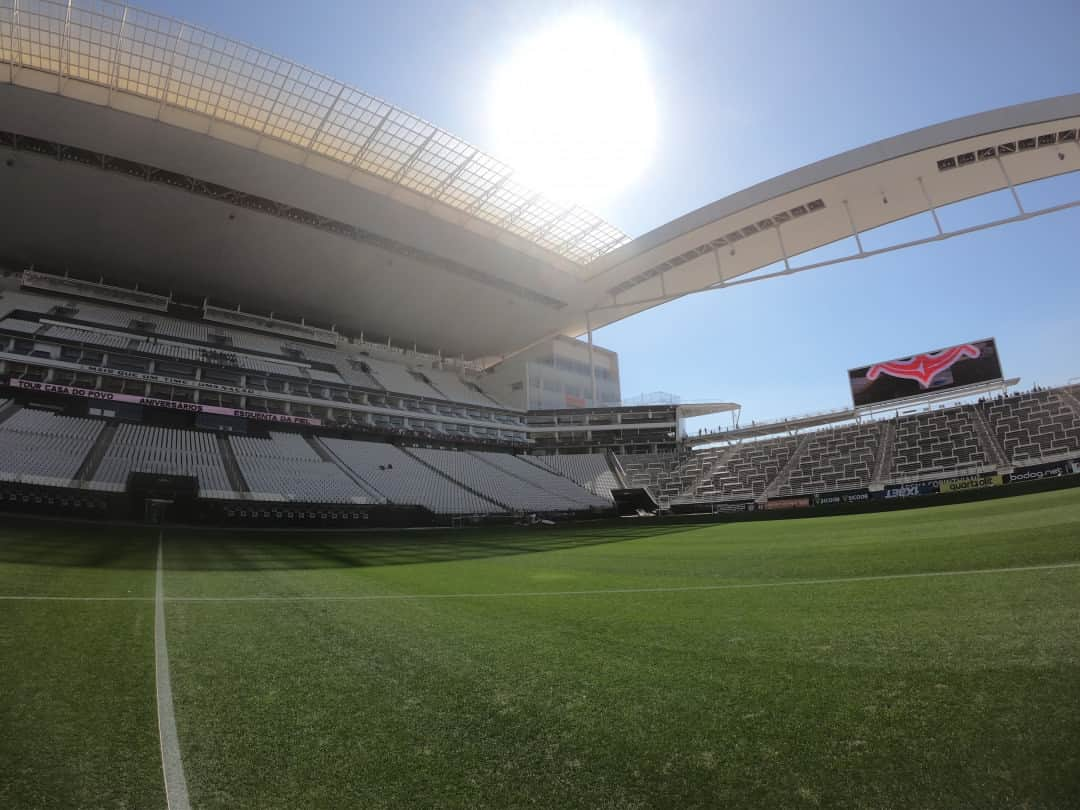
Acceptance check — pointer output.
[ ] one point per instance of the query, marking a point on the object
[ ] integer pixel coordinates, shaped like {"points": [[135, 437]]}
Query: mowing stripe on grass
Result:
{"points": [[604, 591], [176, 793], [507, 594]]}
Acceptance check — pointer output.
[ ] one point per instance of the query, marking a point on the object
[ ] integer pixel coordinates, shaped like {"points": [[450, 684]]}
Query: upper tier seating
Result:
{"points": [[39, 447], [1033, 425], [456, 390], [136, 332], [936, 442], [842, 458], [590, 470], [400, 380], [286, 468], [405, 481], [144, 448]]}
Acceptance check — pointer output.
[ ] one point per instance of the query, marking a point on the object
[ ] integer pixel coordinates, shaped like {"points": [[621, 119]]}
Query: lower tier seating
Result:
{"points": [[838, 459], [143, 448], [590, 470], [284, 467], [39, 447], [941, 440], [403, 480], [1031, 426]]}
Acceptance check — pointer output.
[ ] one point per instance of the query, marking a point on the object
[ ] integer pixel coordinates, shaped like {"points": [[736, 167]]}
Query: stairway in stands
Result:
{"points": [[884, 460], [327, 455], [455, 481], [711, 465], [93, 459], [989, 443], [773, 487], [617, 468], [1069, 395], [8, 408], [232, 467]]}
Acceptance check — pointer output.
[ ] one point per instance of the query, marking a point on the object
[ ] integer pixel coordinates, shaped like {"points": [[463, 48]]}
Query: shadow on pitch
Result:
{"points": [[220, 550]]}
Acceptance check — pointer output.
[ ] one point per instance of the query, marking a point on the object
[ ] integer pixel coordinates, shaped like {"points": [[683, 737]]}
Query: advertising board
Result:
{"points": [[938, 370]]}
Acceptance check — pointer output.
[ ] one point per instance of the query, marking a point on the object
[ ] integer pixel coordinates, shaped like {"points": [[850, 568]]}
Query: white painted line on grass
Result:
{"points": [[602, 591], [176, 793], [31, 598]]}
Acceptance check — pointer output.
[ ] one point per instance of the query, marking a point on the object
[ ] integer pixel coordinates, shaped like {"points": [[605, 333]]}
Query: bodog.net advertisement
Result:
{"points": [[937, 370]]}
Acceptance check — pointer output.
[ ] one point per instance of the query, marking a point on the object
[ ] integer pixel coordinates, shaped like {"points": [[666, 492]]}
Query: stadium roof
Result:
{"points": [[338, 129], [842, 197], [151, 151]]}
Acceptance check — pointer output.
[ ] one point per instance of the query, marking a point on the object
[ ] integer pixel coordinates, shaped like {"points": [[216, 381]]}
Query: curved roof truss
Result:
{"points": [[771, 224]]}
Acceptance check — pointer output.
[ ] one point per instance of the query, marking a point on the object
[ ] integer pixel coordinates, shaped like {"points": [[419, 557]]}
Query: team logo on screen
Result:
{"points": [[923, 368]]}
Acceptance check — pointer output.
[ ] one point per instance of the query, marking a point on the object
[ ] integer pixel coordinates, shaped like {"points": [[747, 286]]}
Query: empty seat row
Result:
{"points": [[590, 470], [39, 447], [166, 451]]}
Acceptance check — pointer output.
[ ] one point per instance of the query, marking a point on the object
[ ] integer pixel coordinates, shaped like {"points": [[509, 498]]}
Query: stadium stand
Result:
{"points": [[143, 448], [1032, 426], [837, 459], [654, 471], [402, 480], [39, 447], [590, 470], [492, 480], [571, 494], [285, 467], [752, 467], [937, 441]]}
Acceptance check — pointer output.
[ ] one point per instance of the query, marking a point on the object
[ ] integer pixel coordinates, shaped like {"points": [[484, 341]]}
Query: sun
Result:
{"points": [[573, 111]]}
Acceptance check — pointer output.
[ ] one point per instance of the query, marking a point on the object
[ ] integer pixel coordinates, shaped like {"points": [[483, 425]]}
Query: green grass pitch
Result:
{"points": [[796, 663]]}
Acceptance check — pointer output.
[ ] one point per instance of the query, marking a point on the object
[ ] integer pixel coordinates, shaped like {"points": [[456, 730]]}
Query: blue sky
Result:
{"points": [[746, 92]]}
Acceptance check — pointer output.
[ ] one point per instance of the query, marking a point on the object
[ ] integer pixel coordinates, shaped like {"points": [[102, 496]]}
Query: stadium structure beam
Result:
{"points": [[860, 254]]}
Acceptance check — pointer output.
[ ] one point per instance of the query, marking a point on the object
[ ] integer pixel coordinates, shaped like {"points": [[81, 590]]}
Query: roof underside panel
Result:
{"points": [[129, 51]]}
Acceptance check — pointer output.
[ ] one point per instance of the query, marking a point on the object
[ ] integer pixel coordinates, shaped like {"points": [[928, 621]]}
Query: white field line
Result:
{"points": [[594, 592], [603, 591], [176, 793]]}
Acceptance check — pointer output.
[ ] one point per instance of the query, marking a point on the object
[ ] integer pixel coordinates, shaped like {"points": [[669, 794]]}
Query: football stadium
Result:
{"points": [[318, 492]]}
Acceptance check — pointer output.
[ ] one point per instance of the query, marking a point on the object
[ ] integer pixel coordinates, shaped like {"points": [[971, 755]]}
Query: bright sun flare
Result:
{"points": [[574, 112]]}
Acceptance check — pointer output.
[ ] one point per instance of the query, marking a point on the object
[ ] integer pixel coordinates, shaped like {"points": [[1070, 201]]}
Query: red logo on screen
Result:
{"points": [[924, 367]]}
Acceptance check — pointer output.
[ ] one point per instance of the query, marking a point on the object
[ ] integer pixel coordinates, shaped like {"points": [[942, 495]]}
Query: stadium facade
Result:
{"points": [[255, 285]]}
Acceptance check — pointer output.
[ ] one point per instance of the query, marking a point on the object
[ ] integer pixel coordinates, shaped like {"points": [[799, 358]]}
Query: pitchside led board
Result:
{"points": [[939, 370]]}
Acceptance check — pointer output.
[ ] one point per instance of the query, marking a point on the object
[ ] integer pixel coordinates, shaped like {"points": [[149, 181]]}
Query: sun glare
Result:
{"points": [[574, 112]]}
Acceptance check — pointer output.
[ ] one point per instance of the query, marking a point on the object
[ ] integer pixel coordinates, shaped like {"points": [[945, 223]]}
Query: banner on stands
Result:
{"points": [[834, 498], [1037, 472], [153, 402], [788, 503], [912, 490], [971, 482]]}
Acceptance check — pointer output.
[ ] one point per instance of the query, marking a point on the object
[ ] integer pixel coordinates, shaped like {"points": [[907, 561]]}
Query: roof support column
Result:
{"points": [[169, 73], [15, 36], [1012, 188], [854, 230], [783, 250], [592, 364], [64, 60], [114, 78], [719, 269], [930, 205]]}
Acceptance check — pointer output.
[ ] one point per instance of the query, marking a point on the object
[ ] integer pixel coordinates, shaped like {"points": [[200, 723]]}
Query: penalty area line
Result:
{"points": [[603, 591], [172, 767]]}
